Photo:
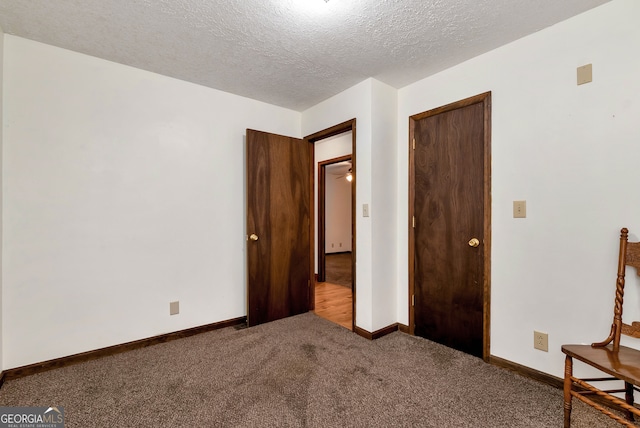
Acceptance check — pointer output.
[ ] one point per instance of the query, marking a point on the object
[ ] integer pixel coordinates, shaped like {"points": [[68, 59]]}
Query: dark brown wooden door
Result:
{"points": [[279, 213], [449, 209]]}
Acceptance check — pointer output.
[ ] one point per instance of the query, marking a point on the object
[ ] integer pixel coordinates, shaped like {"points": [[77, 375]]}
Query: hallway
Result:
{"points": [[334, 297]]}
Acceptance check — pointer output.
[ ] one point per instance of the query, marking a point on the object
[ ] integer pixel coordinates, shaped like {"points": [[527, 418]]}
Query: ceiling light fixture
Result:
{"points": [[349, 177]]}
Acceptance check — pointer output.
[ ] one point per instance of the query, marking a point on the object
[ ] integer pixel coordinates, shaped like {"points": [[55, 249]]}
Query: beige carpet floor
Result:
{"points": [[302, 371]]}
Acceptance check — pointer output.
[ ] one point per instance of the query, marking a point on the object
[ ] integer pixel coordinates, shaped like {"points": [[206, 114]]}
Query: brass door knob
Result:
{"points": [[474, 242], [253, 237]]}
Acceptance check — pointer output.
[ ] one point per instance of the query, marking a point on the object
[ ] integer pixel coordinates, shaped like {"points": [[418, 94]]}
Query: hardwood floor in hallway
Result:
{"points": [[334, 303]]}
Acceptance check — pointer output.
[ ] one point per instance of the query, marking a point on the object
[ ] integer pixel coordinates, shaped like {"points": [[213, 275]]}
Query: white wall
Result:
{"points": [[1, 174], [572, 153], [355, 102], [384, 182], [123, 191], [373, 104], [338, 213]]}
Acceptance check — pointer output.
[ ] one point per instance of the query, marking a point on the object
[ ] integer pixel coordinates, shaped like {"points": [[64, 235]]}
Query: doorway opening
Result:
{"points": [[334, 295], [335, 252]]}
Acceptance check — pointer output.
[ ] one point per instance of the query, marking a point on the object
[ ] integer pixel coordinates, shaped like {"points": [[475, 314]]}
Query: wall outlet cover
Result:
{"points": [[585, 74], [541, 341], [174, 308], [519, 209]]}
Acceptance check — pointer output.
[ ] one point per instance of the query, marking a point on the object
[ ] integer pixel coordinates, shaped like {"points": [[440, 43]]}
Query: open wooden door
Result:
{"points": [[279, 226]]}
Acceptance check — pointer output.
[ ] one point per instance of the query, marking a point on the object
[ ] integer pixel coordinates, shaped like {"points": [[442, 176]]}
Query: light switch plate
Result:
{"points": [[519, 209], [585, 74], [365, 210]]}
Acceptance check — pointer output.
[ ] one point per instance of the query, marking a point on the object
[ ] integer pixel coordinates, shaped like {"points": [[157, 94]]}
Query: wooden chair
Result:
{"points": [[619, 362]]}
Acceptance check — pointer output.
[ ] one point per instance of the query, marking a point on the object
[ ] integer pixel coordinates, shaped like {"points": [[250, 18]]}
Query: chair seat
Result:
{"points": [[623, 364]]}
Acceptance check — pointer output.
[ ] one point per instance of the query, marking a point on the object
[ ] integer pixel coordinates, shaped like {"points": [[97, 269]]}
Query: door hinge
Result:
{"points": [[414, 144], [413, 222], [413, 300]]}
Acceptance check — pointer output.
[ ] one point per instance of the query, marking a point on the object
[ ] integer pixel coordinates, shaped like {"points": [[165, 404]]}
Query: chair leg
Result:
{"points": [[628, 396], [568, 372]]}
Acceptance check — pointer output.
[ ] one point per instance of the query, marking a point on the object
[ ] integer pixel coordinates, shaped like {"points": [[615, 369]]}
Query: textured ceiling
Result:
{"points": [[292, 53]]}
